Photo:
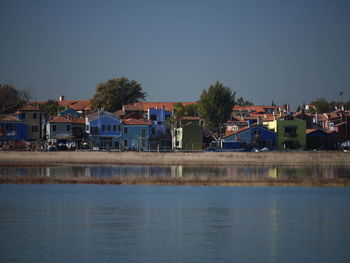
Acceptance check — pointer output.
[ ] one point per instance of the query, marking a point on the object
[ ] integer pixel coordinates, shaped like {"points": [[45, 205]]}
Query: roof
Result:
{"points": [[28, 107], [78, 105], [8, 118], [134, 122], [60, 119], [78, 120], [144, 106], [308, 131]]}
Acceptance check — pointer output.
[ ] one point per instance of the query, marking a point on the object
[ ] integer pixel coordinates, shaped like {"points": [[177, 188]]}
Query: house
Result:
{"points": [[135, 135], [189, 136], [59, 128], [104, 129], [256, 136], [31, 116], [158, 117], [12, 129], [318, 139], [290, 133]]}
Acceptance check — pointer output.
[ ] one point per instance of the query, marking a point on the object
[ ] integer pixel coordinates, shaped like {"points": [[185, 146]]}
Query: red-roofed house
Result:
{"points": [[59, 128], [31, 116]]}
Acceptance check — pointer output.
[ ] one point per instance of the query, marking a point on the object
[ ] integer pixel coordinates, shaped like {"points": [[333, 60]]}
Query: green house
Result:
{"points": [[189, 136], [290, 134]]}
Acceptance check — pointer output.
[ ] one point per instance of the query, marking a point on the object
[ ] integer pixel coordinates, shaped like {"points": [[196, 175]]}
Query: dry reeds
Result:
{"points": [[168, 180], [177, 158]]}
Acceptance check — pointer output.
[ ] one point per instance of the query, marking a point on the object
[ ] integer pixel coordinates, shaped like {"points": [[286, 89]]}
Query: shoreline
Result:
{"points": [[172, 158], [177, 181]]}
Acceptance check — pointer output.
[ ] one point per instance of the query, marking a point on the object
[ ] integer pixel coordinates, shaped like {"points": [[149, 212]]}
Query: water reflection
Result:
{"points": [[232, 172]]}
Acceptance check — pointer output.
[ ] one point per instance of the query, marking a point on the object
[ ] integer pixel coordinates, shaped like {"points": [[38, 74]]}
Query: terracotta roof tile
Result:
{"points": [[144, 106], [8, 118], [28, 107], [60, 119], [134, 122]]}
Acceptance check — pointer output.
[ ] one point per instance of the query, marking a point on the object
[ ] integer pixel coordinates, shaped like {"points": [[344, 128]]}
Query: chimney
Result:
{"points": [[61, 98]]}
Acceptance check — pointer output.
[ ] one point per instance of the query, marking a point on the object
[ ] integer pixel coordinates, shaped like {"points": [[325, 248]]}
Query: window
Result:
{"points": [[94, 130], [153, 117], [35, 116], [114, 127], [153, 130], [125, 143], [87, 127], [68, 127], [54, 128], [35, 128], [143, 133], [118, 128], [105, 128], [125, 129], [290, 131], [22, 115]]}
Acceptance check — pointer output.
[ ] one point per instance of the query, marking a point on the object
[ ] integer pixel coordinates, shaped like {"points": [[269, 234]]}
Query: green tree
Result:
{"points": [[114, 93], [241, 102], [181, 111], [215, 107], [320, 105], [51, 108]]}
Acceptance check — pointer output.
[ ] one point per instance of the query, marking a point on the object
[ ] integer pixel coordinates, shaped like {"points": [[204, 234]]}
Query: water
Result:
{"points": [[122, 223], [234, 172]]}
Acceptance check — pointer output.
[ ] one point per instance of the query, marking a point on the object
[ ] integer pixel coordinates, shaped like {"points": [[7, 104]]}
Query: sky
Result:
{"points": [[272, 50]]}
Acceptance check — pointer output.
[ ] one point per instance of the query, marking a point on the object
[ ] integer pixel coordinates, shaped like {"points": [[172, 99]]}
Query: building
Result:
{"points": [[258, 137], [59, 128], [12, 129], [31, 116], [189, 136], [104, 129], [291, 133], [135, 135]]}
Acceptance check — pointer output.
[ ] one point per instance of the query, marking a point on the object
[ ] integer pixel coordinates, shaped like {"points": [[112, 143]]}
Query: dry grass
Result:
{"points": [[167, 180], [154, 158]]}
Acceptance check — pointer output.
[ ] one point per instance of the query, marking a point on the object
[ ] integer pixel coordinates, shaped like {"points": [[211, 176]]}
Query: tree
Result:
{"points": [[9, 95], [320, 105], [241, 102], [114, 93], [51, 108], [181, 111], [215, 107]]}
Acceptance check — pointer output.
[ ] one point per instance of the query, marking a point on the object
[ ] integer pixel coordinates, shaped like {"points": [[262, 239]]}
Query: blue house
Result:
{"points": [[135, 135], [104, 130], [254, 137], [158, 119], [12, 129]]}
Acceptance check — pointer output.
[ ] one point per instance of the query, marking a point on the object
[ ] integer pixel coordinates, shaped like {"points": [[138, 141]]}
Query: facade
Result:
{"points": [[104, 129], [31, 116], [135, 135], [291, 134], [12, 129], [257, 137], [59, 128], [158, 116], [188, 137]]}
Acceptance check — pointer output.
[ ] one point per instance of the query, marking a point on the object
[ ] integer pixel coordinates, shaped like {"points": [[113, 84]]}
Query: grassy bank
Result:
{"points": [[178, 158], [168, 180]]}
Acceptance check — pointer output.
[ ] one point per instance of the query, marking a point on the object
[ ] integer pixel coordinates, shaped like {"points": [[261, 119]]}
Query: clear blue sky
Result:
{"points": [[286, 51]]}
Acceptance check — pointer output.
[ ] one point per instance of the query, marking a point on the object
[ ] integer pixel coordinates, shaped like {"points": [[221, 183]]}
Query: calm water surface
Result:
{"points": [[122, 223]]}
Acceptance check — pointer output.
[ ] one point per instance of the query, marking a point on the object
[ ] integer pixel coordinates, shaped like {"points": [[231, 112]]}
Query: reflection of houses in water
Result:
{"points": [[177, 171]]}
